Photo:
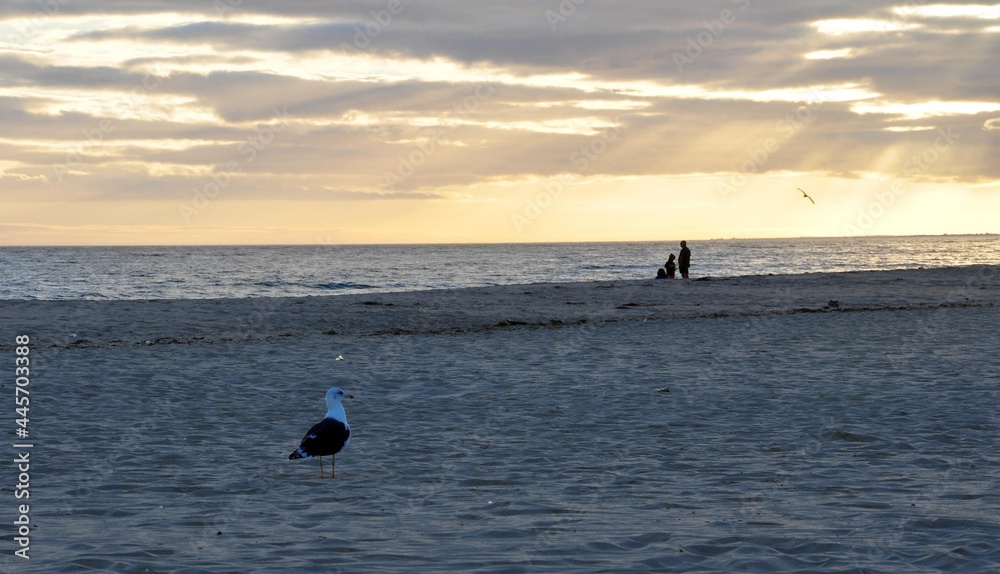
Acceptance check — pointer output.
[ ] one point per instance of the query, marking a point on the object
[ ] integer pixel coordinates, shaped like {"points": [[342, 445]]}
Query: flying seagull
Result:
{"points": [[328, 436], [806, 195]]}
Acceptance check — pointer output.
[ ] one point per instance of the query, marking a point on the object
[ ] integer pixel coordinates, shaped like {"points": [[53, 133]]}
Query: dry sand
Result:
{"points": [[523, 429]]}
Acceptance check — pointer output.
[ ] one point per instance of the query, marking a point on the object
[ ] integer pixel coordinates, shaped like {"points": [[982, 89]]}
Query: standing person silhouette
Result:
{"points": [[670, 266], [684, 259]]}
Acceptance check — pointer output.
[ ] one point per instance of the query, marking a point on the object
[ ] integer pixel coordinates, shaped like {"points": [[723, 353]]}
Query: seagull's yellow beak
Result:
{"points": [[351, 396]]}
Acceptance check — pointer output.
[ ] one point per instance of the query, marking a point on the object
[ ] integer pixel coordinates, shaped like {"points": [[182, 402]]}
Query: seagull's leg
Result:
{"points": [[321, 467], [333, 463]]}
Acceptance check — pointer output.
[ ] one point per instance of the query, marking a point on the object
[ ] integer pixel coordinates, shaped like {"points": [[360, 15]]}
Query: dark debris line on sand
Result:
{"points": [[477, 310]]}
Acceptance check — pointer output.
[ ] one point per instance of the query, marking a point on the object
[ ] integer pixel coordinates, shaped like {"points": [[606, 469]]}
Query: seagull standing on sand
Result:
{"points": [[328, 436], [806, 195]]}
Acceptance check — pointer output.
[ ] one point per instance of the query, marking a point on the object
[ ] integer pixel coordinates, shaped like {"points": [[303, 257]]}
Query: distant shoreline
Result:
{"points": [[446, 244]]}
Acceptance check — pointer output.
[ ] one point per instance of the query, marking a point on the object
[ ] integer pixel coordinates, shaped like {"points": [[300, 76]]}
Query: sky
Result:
{"points": [[397, 121]]}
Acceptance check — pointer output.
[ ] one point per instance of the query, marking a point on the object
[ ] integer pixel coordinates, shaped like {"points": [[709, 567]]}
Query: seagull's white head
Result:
{"points": [[335, 395], [334, 404]]}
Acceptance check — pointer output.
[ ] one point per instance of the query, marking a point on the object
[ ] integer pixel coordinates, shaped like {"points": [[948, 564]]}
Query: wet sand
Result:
{"points": [[741, 424]]}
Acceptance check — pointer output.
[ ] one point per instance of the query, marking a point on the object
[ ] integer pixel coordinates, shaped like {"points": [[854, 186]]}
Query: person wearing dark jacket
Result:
{"points": [[684, 260]]}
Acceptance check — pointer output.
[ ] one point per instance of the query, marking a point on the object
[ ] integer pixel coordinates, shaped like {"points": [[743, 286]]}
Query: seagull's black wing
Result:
{"points": [[326, 437]]}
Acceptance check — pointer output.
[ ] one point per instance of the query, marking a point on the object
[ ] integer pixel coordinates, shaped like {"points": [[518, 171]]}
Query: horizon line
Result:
{"points": [[810, 237]]}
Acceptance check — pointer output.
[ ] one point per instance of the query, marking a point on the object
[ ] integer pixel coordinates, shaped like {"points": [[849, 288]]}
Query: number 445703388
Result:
{"points": [[22, 373]]}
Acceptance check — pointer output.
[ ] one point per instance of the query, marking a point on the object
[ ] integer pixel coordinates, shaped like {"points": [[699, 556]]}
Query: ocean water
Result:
{"points": [[67, 273]]}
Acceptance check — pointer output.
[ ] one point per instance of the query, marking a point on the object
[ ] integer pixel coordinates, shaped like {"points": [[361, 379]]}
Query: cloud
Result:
{"points": [[147, 99]]}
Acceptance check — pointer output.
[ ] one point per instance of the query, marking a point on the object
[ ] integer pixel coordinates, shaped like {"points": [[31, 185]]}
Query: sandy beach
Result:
{"points": [[805, 423]]}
